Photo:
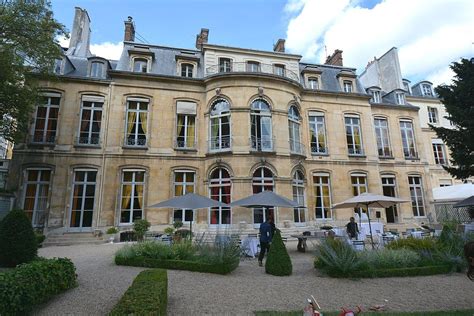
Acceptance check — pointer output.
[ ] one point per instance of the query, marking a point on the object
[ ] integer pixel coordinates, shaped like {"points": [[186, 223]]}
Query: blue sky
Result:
{"points": [[429, 34]]}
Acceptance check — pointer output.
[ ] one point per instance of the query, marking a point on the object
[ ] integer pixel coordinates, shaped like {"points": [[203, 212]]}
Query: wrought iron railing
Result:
{"points": [[297, 148], [264, 144], [44, 139], [184, 144], [216, 144], [245, 67], [140, 142], [88, 140]]}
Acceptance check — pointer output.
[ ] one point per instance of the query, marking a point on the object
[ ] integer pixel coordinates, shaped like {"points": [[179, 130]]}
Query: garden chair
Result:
{"points": [[358, 244], [425, 234]]}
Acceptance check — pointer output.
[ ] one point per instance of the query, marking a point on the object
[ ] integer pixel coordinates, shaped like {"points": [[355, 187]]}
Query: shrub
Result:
{"points": [[336, 258], [39, 239], [140, 227], [389, 259], [177, 224], [112, 230], [148, 295], [17, 239], [278, 261], [415, 244], [401, 272], [169, 230], [33, 283]]}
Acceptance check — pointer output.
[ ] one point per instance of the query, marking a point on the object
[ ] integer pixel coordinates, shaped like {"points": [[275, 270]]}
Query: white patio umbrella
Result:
{"points": [[369, 200], [189, 201]]}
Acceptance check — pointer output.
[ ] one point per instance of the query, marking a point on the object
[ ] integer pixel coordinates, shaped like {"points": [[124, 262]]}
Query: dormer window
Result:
{"points": [[426, 89], [279, 70], [57, 66], [140, 65], [400, 98], [376, 96], [225, 65], [97, 70], [253, 66], [347, 86], [187, 70], [313, 83], [406, 86]]}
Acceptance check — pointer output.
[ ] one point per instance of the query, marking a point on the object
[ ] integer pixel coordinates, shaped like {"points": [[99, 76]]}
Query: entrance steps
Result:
{"points": [[68, 239]]}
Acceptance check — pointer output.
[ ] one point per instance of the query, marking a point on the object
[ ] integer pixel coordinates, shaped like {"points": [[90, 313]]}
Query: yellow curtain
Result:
{"points": [[321, 140], [131, 122], [190, 132], [126, 195], [180, 129], [178, 190], [139, 196], [143, 120], [357, 137]]}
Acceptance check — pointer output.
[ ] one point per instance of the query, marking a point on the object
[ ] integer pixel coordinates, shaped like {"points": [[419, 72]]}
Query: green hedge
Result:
{"points": [[218, 268], [398, 272], [148, 295], [33, 283]]}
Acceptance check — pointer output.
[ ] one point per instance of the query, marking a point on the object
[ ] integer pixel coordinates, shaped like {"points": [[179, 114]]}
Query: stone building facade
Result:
{"points": [[110, 138]]}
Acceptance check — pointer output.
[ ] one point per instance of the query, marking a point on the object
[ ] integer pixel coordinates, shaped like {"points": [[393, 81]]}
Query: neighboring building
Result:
{"points": [[112, 137]]}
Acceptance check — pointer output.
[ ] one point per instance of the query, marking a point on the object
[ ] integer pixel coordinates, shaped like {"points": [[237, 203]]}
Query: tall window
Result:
{"points": [[262, 181], [400, 98], [140, 65], [416, 194], [432, 115], [131, 207], [427, 89], [294, 129], [406, 86], [261, 126], [322, 193], [91, 119], [381, 134], [408, 139], [253, 66], [347, 86], [225, 65], [389, 189], [220, 138], [36, 201], [137, 122], [186, 124], [298, 196], [439, 153], [46, 122], [184, 182], [220, 190], [187, 70], [279, 70], [317, 128], [376, 96], [359, 186], [83, 196], [97, 69], [313, 83], [353, 135]]}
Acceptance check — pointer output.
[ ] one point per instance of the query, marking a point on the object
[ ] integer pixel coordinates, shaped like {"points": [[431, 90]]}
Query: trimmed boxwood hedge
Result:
{"points": [[218, 268], [148, 295], [33, 283], [398, 272]]}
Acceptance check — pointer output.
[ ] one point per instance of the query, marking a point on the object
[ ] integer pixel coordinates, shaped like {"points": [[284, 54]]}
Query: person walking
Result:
{"points": [[352, 228], [266, 234]]}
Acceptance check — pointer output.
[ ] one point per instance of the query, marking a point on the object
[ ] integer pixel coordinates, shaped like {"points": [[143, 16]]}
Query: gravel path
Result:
{"points": [[249, 289]]}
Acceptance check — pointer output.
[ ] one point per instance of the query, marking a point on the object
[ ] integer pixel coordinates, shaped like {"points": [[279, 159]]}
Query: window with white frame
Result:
{"points": [[427, 90], [186, 124], [416, 194], [46, 120], [381, 135], [317, 129], [261, 126], [253, 66], [439, 152], [432, 115], [225, 65], [220, 136], [376, 96], [220, 188], [184, 182], [262, 181], [97, 70], [83, 197], [131, 206], [408, 139], [187, 70], [298, 197], [279, 70], [400, 98], [445, 183], [313, 83], [359, 186], [137, 122], [91, 120], [294, 122], [406, 86], [322, 194], [140, 65], [36, 198], [347, 86], [353, 135], [389, 189]]}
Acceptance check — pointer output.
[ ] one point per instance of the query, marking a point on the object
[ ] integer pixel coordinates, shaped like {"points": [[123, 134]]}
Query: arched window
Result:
{"points": [[298, 197], [131, 206], [36, 195], [359, 186], [220, 190], [322, 194], [46, 121], [83, 199], [294, 122], [261, 126], [262, 181], [184, 182], [220, 137]]}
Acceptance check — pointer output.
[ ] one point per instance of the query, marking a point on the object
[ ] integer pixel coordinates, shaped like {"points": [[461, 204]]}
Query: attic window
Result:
{"points": [[313, 83], [97, 70], [140, 65], [426, 88], [406, 86], [400, 98], [187, 70], [347, 86], [376, 96]]}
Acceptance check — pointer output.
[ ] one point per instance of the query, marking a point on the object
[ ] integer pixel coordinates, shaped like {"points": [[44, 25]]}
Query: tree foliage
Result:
{"points": [[27, 45], [278, 261], [458, 98]]}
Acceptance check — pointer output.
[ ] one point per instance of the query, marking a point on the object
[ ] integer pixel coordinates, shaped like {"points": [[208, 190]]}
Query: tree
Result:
{"points": [[27, 46], [278, 261], [458, 98]]}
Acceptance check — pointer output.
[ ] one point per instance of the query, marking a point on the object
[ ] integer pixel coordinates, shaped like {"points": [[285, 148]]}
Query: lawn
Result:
{"points": [[467, 312]]}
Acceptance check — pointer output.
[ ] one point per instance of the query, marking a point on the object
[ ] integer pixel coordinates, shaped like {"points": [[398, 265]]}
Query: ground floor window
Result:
{"points": [[262, 181], [83, 196], [36, 198], [220, 190], [184, 182], [133, 182]]}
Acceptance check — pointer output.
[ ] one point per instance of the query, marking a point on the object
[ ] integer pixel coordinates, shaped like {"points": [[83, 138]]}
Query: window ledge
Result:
{"points": [[357, 156], [41, 144], [135, 147], [185, 149], [221, 151], [87, 146], [320, 154], [386, 157], [412, 158]]}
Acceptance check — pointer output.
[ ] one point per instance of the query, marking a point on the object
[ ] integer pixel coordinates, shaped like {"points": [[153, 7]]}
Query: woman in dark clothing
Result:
{"points": [[352, 229]]}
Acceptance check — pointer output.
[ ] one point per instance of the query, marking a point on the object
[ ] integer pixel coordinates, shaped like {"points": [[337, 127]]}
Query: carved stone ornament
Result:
{"points": [[218, 91], [260, 91]]}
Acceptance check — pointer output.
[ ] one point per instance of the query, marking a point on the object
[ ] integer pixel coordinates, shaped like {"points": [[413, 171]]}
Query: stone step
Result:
{"points": [[72, 243]]}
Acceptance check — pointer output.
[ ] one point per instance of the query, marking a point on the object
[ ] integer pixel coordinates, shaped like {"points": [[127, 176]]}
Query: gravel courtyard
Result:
{"points": [[248, 288]]}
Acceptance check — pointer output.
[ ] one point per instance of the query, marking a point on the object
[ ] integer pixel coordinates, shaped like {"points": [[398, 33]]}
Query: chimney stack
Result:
{"points": [[80, 34], [279, 47], [201, 38], [335, 59], [129, 35]]}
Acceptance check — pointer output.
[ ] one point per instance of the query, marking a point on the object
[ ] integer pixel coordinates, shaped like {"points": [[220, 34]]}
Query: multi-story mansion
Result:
{"points": [[110, 138]]}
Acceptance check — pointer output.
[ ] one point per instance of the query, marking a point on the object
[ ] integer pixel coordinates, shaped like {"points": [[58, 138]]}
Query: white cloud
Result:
{"points": [[430, 34], [107, 50]]}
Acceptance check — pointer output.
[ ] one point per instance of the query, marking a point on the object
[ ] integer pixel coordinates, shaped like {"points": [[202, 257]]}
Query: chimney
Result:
{"points": [[335, 59], [201, 38], [279, 47], [129, 35], [80, 35]]}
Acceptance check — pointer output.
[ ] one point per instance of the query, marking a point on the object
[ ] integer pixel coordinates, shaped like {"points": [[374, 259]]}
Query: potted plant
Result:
{"points": [[111, 234]]}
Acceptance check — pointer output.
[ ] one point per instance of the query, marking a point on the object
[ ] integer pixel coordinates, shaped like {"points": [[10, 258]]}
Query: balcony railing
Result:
{"points": [[44, 139], [184, 145], [94, 141], [217, 144], [245, 67], [297, 148], [132, 142], [263, 144]]}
